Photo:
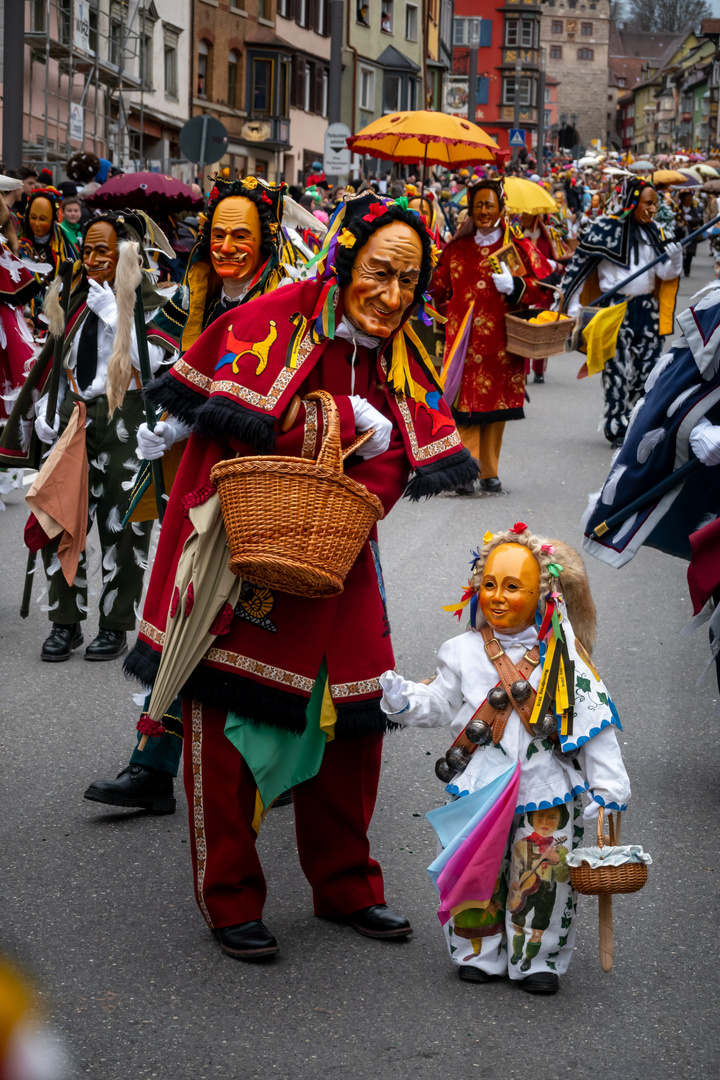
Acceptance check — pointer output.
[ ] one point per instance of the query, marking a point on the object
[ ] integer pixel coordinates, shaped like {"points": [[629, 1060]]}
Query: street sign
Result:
{"points": [[77, 122], [517, 136], [336, 156], [203, 140]]}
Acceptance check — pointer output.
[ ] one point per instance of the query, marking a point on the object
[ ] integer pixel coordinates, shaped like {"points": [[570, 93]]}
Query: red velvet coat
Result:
{"points": [[493, 381], [265, 664]]}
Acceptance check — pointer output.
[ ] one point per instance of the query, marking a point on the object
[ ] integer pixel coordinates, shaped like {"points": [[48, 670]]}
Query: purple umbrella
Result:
{"points": [[149, 191]]}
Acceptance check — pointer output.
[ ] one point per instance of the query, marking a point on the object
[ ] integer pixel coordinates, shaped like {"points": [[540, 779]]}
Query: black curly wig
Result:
{"points": [[126, 224], [268, 239], [345, 257]]}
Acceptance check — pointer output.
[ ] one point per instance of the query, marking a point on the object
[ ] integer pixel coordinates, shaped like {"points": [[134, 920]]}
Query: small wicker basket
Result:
{"points": [[536, 340], [593, 881], [294, 524]]}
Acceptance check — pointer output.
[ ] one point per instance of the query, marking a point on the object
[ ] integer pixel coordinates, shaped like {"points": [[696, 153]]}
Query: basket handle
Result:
{"points": [[360, 441], [330, 455], [600, 829]]}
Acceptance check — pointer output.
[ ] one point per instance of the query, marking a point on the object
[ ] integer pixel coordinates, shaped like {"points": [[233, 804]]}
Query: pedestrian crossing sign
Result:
{"points": [[517, 136]]}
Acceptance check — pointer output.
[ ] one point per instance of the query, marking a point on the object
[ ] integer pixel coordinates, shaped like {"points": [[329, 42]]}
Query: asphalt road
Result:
{"points": [[100, 904]]}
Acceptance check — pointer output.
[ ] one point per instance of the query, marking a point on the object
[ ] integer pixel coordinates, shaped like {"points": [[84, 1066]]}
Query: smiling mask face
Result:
{"points": [[384, 278], [100, 252], [510, 588], [235, 239]]}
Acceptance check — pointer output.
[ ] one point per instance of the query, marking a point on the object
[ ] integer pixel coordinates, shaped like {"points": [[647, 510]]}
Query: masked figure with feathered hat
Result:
{"points": [[293, 681]]}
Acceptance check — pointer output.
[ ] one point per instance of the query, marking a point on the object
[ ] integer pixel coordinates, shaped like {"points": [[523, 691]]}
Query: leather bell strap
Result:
{"points": [[497, 719]]}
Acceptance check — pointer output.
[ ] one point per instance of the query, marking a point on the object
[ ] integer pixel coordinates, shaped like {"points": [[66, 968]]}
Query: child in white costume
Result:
{"points": [[527, 929]]}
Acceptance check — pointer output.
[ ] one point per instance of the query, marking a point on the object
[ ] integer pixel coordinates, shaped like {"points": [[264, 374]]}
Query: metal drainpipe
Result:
{"points": [[353, 50]]}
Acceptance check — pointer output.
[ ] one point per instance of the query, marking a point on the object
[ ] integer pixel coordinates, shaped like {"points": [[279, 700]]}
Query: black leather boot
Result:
{"points": [[378, 921], [137, 785], [247, 941], [60, 642], [108, 645]]}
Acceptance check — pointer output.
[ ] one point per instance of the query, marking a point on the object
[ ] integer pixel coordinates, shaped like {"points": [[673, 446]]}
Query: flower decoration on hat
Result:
{"points": [[346, 239], [375, 210], [519, 527]]}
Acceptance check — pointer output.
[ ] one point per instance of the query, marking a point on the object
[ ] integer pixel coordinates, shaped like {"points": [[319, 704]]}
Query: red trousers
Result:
{"points": [[332, 816]]}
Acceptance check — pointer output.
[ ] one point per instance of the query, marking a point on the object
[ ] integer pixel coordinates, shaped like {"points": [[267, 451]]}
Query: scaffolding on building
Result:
{"points": [[93, 55]]}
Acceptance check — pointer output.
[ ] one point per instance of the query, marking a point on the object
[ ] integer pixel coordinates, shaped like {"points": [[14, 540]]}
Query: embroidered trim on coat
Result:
{"points": [[354, 689], [152, 632], [265, 671], [421, 453], [268, 401], [204, 382]]}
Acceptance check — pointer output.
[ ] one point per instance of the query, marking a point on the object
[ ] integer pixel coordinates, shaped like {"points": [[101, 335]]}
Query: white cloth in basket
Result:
{"points": [[608, 856]]}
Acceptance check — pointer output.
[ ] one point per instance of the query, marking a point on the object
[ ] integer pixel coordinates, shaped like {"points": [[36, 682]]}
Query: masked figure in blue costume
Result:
{"points": [[612, 248]]}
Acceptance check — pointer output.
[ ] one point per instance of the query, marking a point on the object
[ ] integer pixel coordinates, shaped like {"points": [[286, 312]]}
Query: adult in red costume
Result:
{"points": [[346, 333], [466, 285]]}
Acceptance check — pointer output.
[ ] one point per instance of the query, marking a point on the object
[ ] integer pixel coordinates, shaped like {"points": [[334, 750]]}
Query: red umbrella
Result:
{"points": [[148, 191]]}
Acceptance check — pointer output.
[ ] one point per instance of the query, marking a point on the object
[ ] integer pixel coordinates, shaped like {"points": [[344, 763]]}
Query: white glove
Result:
{"points": [[101, 300], [396, 690], [366, 417], [674, 254], [504, 282], [705, 442], [591, 811], [45, 433], [151, 445]]}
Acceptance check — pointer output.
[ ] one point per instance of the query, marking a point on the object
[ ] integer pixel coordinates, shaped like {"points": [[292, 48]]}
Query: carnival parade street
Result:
{"points": [[97, 902]]}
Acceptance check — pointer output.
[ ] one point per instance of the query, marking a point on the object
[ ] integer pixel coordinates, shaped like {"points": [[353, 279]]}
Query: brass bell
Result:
{"points": [[545, 726], [498, 697], [458, 758], [521, 690], [443, 770], [478, 732]]}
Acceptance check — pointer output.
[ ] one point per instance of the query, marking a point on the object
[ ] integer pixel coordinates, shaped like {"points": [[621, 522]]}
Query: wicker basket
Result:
{"points": [[535, 340], [627, 878], [293, 524]]}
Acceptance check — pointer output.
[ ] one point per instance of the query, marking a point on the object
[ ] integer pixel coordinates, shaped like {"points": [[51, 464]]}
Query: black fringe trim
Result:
{"points": [[258, 703], [166, 392], [142, 663], [444, 475], [362, 718], [224, 419]]}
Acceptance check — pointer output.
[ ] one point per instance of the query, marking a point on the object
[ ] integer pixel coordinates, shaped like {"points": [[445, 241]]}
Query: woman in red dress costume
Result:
{"points": [[492, 389]]}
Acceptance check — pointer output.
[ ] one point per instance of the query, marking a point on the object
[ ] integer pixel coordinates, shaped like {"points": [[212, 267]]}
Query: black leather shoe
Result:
{"points": [[137, 785], [108, 645], [379, 921], [492, 484], [538, 378], [542, 982], [465, 489], [247, 941], [60, 642], [286, 799], [473, 974]]}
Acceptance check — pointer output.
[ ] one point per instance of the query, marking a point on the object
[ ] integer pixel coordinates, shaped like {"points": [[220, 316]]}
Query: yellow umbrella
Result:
{"points": [[433, 138], [667, 176], [527, 197]]}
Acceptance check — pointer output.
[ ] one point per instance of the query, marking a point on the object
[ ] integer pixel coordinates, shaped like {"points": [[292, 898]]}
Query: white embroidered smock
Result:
{"points": [[548, 775]]}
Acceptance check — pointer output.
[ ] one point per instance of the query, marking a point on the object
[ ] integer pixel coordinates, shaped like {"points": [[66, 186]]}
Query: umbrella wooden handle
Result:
{"points": [[605, 926], [143, 742]]}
